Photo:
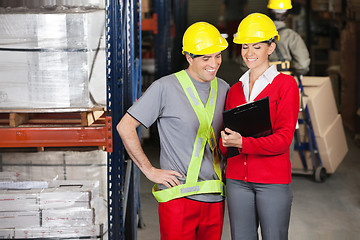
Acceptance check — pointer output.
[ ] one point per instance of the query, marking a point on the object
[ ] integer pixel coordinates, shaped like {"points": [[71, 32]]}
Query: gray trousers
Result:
{"points": [[251, 204]]}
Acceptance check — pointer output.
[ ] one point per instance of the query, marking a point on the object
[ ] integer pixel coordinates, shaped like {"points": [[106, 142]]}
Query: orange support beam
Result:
{"points": [[108, 134], [150, 24], [57, 136]]}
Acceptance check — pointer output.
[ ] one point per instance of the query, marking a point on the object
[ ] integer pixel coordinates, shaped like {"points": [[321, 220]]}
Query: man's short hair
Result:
{"points": [[193, 55]]}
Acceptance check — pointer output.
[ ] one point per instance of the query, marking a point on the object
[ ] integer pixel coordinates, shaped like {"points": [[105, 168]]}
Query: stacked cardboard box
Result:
{"points": [[19, 209], [7, 233], [327, 124], [66, 209], [70, 199], [59, 165]]}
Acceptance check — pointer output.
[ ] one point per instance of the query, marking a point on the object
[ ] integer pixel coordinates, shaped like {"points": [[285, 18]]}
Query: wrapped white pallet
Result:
{"points": [[67, 217], [7, 233], [47, 58], [52, 3], [12, 219], [15, 200], [72, 232]]}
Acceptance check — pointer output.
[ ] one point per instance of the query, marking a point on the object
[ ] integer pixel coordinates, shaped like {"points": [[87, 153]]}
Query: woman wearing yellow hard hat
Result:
{"points": [[259, 174]]}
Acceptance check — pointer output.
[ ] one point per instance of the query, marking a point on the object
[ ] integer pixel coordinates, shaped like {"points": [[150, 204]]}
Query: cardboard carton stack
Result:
{"points": [[327, 124], [59, 165], [58, 194], [65, 209]]}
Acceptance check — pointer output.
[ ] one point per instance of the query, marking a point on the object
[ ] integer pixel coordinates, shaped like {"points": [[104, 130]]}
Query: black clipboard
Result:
{"points": [[250, 120]]}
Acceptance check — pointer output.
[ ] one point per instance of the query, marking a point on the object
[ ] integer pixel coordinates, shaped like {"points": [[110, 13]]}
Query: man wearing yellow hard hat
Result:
{"points": [[258, 174], [187, 107], [291, 55]]}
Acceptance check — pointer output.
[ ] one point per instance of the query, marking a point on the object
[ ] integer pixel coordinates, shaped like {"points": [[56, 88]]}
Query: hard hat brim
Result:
{"points": [[253, 40], [209, 50]]}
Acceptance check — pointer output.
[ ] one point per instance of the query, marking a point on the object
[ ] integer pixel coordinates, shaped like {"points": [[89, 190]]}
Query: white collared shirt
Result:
{"points": [[266, 78]]}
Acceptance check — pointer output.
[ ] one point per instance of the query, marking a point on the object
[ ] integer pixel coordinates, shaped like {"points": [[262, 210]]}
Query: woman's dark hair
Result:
{"points": [[269, 41]]}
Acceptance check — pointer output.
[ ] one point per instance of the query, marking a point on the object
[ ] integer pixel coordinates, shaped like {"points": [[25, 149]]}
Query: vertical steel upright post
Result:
{"points": [[308, 38], [132, 55], [180, 21], [123, 48], [357, 114], [116, 163], [163, 38]]}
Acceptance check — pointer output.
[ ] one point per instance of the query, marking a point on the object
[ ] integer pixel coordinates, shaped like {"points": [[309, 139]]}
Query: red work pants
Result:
{"points": [[186, 219]]}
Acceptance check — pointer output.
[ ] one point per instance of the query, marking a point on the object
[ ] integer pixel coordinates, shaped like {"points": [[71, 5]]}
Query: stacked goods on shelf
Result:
{"points": [[57, 165], [326, 5], [52, 58], [327, 124], [353, 10], [52, 3], [65, 209], [63, 196]]}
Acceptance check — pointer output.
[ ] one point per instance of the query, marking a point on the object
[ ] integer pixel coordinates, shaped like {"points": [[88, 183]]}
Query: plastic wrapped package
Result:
{"points": [[48, 58], [57, 166], [52, 3], [8, 176], [82, 232], [7, 233], [67, 205], [65, 209], [40, 166]]}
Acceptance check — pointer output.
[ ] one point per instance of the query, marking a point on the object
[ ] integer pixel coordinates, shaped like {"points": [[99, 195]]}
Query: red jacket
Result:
{"points": [[266, 159]]}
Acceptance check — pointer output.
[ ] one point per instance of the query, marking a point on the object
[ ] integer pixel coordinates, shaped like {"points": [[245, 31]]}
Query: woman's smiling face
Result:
{"points": [[256, 55]]}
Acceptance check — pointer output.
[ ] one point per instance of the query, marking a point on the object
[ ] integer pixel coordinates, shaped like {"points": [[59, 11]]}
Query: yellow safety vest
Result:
{"points": [[205, 134]]}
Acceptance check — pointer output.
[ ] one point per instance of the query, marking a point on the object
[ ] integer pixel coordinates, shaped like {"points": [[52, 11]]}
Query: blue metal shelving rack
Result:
{"points": [[162, 39], [123, 46], [180, 20], [168, 57]]}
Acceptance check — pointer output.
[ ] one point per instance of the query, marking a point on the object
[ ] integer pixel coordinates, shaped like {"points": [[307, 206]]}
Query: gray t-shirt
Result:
{"points": [[166, 102]]}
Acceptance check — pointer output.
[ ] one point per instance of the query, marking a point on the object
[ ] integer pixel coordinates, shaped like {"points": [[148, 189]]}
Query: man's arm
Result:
{"points": [[127, 130]]}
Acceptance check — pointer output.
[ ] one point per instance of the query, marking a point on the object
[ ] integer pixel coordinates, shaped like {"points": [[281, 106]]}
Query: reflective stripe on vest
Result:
{"points": [[205, 134]]}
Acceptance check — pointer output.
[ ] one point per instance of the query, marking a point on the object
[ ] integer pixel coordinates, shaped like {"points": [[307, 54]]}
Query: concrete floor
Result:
{"points": [[320, 211]]}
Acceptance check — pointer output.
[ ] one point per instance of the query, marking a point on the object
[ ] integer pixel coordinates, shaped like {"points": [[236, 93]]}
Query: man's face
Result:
{"points": [[205, 67]]}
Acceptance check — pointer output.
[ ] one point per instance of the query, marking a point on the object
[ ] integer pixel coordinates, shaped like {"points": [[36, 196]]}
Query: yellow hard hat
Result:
{"points": [[203, 38], [256, 27], [279, 4]]}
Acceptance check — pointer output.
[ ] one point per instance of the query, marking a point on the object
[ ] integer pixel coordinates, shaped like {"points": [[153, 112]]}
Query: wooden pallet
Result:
{"points": [[37, 129], [51, 117]]}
